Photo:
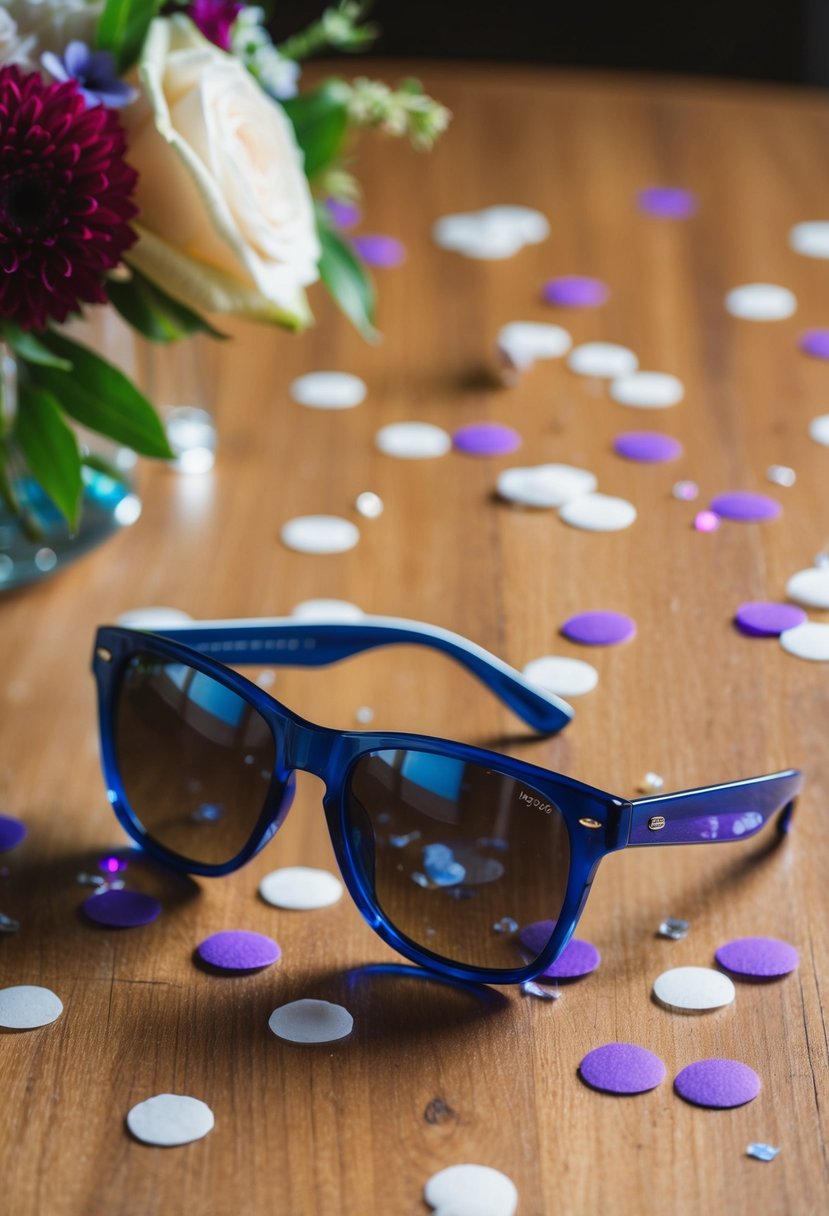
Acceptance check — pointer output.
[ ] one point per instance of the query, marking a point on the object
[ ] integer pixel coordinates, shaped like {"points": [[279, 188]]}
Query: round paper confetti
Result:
{"points": [[815, 342], [819, 429], [300, 888], [534, 937], [578, 958], [369, 504], [781, 475], [761, 958], [649, 447], [383, 251], [810, 238], [525, 341], [766, 619], [599, 513], [810, 587], [344, 215], [412, 440], [599, 628], [808, 641], [761, 302], [327, 610], [575, 291], [719, 1084], [170, 1119], [667, 202], [565, 677], [12, 832], [603, 359], [622, 1068], [647, 390], [319, 534], [152, 618], [26, 1006], [238, 950], [309, 1021], [495, 232], [121, 909], [693, 989], [329, 390], [545, 485], [471, 1190], [486, 439], [745, 506]]}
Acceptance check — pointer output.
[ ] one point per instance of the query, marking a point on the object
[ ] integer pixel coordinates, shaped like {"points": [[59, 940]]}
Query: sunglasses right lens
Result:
{"points": [[196, 760], [459, 857]]}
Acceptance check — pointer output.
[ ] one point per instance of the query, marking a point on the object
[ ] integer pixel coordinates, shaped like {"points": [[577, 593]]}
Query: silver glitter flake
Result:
{"points": [[7, 925], [544, 993], [505, 925], [674, 928], [365, 714], [781, 475], [651, 783], [762, 1152], [369, 504]]}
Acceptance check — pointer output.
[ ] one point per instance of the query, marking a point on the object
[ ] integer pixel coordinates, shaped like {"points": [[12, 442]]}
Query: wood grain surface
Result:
{"points": [[434, 1075]]}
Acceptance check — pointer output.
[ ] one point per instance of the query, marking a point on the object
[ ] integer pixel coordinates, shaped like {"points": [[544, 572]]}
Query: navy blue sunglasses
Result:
{"points": [[447, 850]]}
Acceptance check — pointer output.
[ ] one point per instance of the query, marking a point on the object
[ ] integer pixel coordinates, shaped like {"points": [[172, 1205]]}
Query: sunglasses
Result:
{"points": [[449, 851]]}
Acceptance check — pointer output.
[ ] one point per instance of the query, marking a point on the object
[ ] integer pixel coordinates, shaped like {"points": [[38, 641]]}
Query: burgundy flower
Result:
{"points": [[215, 19], [64, 199]]}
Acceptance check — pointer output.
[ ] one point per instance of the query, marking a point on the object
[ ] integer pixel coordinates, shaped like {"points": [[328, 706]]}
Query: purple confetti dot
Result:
{"points": [[121, 909], [575, 291], [762, 958], [534, 937], [647, 446], [622, 1068], [745, 506], [12, 831], [384, 251], [344, 215], [599, 628], [578, 958], [486, 439], [815, 342], [767, 619], [717, 1083], [238, 950], [667, 202]]}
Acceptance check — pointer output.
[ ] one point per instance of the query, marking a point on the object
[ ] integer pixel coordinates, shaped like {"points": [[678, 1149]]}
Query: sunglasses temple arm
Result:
{"points": [[716, 813]]}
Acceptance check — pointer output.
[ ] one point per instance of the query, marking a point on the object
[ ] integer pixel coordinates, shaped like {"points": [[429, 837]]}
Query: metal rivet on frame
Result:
{"points": [[656, 823], [590, 823]]}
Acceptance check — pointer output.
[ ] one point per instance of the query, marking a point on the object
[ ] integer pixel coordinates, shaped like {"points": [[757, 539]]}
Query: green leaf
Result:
{"points": [[7, 493], [155, 314], [100, 397], [320, 121], [26, 346], [123, 27], [50, 448], [345, 277]]}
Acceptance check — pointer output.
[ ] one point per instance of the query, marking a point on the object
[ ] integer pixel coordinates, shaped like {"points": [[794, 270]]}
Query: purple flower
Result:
{"points": [[215, 18], [94, 72]]}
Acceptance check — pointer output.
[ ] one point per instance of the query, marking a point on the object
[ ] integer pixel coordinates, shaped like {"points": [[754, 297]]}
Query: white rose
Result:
{"points": [[30, 27], [227, 220]]}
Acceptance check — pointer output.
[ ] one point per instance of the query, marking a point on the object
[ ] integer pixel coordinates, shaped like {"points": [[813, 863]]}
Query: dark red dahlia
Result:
{"points": [[65, 200]]}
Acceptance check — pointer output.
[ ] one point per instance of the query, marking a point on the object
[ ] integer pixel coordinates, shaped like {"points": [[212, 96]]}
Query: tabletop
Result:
{"points": [[436, 1074]]}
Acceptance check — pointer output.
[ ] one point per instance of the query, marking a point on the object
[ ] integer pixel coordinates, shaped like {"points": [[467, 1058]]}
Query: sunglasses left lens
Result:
{"points": [[196, 760]]}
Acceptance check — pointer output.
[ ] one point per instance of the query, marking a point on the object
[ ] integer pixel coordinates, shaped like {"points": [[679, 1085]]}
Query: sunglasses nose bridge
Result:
{"points": [[309, 748]]}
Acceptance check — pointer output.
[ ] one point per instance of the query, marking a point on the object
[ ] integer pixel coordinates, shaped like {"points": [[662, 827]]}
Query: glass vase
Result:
{"points": [[180, 380]]}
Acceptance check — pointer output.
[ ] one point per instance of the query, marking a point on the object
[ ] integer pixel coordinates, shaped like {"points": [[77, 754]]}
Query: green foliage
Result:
{"points": [[123, 27], [30, 349], [346, 278], [156, 315], [50, 449], [320, 121]]}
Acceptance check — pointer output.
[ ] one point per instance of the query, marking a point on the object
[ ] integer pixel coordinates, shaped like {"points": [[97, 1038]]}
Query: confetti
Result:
{"points": [[745, 506], [667, 202], [622, 1068], [651, 783], [673, 928], [810, 587], [781, 475], [300, 888], [543, 991], [486, 439], [603, 359], [647, 390], [412, 440], [761, 302], [758, 957], [693, 989], [369, 504], [505, 925], [575, 291], [598, 513], [717, 1083], [327, 610], [152, 618], [319, 534], [545, 485], [649, 447], [808, 641], [167, 1120], [238, 950], [383, 251], [578, 958], [767, 619], [762, 1152], [121, 909], [706, 521], [810, 238], [7, 925], [685, 491], [565, 677], [364, 714], [599, 628], [329, 390], [345, 215], [26, 1006], [520, 343], [309, 1021], [491, 234], [815, 342], [471, 1190], [12, 833], [819, 429]]}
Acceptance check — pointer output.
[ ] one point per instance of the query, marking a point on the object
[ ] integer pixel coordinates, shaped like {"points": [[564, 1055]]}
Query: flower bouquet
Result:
{"points": [[160, 158]]}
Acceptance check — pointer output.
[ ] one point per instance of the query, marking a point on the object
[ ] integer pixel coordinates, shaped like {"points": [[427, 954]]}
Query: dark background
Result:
{"points": [[783, 40]]}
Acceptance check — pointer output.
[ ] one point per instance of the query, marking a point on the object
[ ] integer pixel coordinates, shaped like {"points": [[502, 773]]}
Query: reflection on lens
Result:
{"points": [[457, 853], [196, 760]]}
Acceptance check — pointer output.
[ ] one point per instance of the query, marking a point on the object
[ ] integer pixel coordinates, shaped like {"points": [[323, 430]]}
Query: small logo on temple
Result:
{"points": [[656, 823], [531, 801]]}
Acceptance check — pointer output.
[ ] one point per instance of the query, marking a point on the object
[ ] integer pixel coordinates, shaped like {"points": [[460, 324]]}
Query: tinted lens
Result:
{"points": [[460, 857], [196, 760]]}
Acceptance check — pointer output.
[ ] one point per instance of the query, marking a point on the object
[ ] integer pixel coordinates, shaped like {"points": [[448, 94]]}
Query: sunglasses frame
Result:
{"points": [[597, 823]]}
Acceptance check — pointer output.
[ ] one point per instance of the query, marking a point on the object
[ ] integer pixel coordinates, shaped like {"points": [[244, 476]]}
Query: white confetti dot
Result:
{"points": [[413, 440], [811, 238], [603, 359], [329, 390], [647, 390], [807, 641], [152, 618], [599, 513], [819, 429], [327, 610], [526, 222], [170, 1119], [525, 341], [565, 677], [310, 1021], [26, 1006], [545, 485], [694, 989], [471, 1190], [761, 302], [369, 504], [810, 587], [319, 534], [300, 888], [495, 232]]}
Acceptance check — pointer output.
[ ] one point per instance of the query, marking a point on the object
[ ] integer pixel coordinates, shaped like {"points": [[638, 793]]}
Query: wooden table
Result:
{"points": [[433, 1075]]}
